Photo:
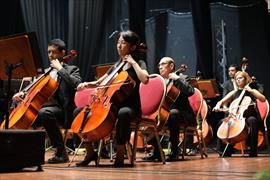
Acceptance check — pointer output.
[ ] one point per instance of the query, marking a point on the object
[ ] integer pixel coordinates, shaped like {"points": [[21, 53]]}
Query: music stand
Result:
{"points": [[101, 69], [19, 57], [208, 88]]}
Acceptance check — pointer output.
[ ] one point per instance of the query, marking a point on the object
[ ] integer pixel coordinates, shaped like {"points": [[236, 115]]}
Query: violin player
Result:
{"points": [[58, 110]]}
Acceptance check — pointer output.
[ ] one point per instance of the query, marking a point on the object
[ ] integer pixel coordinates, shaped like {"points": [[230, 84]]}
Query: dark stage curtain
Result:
{"points": [[86, 33], [11, 18], [47, 19], [202, 32], [90, 27], [137, 17], [171, 34]]}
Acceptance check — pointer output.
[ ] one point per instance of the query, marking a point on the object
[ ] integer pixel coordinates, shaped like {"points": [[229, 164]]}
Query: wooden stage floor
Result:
{"points": [[193, 167]]}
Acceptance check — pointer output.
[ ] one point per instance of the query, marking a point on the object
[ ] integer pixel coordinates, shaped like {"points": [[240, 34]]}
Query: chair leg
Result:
{"points": [[100, 146], [204, 148], [160, 147], [184, 151], [267, 141], [130, 153], [111, 148], [134, 149], [65, 138], [200, 143], [242, 148]]}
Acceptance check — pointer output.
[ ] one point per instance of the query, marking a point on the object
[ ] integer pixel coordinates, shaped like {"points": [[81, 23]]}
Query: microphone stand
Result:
{"points": [[9, 68]]}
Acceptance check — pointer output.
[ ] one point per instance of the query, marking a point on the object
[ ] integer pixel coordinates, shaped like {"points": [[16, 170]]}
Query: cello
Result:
{"points": [[207, 131], [233, 128], [171, 96], [38, 93], [97, 119]]}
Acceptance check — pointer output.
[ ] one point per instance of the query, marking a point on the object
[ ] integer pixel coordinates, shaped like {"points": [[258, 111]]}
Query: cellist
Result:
{"points": [[253, 120], [180, 113], [58, 110], [130, 50]]}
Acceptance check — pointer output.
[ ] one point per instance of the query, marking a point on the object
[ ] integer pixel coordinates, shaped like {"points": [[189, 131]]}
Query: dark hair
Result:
{"points": [[60, 44], [134, 39], [235, 66]]}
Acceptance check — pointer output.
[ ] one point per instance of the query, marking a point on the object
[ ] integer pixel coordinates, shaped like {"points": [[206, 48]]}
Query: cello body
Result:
{"points": [[24, 115], [233, 128], [171, 96], [98, 118], [207, 133]]}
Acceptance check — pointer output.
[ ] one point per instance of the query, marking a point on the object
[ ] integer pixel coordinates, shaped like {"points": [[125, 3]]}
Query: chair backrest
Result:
{"points": [[152, 95], [196, 101], [263, 108]]}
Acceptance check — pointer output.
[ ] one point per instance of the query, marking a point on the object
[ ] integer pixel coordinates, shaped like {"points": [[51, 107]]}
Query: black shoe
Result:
{"points": [[122, 165], [58, 159], [118, 164], [153, 157], [87, 160]]}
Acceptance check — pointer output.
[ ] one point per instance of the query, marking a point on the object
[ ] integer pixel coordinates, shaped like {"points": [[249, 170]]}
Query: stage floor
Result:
{"points": [[193, 167]]}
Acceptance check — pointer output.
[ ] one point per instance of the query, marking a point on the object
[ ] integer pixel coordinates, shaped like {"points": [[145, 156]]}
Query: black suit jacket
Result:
{"points": [[68, 79], [227, 87]]}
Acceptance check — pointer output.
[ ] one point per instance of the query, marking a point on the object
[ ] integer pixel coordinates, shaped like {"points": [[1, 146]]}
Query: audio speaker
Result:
{"points": [[21, 148]]}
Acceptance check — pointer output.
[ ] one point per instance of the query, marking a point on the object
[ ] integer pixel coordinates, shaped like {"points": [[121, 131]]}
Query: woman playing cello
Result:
{"points": [[129, 49], [58, 109], [252, 118]]}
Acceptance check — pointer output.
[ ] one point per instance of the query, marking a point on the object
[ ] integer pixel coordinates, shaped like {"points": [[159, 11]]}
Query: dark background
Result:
{"points": [[187, 30]]}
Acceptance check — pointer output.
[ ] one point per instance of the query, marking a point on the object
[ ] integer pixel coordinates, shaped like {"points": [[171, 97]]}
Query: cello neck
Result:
{"points": [[26, 89], [72, 54], [111, 76]]}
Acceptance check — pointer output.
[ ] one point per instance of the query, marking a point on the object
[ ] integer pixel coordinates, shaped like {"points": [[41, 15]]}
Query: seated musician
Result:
{"points": [[253, 120], [180, 113], [129, 49], [58, 110]]}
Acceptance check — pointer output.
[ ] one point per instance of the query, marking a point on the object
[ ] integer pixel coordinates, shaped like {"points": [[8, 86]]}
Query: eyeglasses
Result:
{"points": [[239, 78], [162, 64]]}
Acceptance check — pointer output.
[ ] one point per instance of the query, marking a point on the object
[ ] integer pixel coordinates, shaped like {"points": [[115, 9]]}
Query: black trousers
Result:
{"points": [[176, 119], [51, 118], [125, 116]]}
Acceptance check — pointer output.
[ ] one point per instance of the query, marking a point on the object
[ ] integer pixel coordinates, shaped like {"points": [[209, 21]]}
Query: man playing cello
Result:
{"points": [[58, 109], [180, 111]]}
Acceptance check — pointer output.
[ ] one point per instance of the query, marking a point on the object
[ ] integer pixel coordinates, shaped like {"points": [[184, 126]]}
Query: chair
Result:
{"points": [[152, 95], [196, 102], [263, 108]]}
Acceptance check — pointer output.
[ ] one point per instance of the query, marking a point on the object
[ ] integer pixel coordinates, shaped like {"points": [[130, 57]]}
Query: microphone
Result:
{"points": [[113, 33]]}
